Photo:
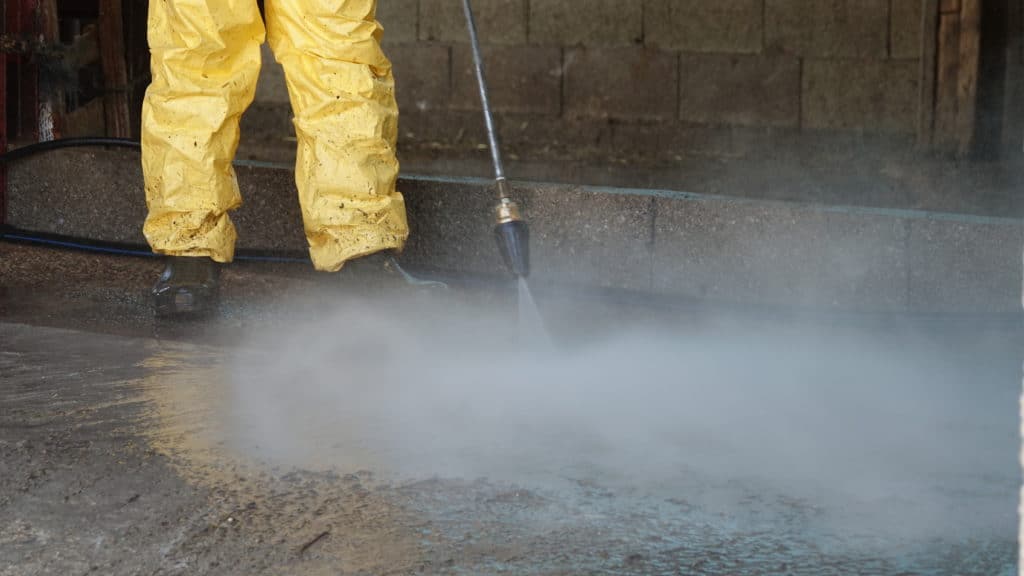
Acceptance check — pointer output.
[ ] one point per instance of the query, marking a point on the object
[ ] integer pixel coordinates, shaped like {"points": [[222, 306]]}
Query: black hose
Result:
{"points": [[32, 149], [12, 234], [19, 236]]}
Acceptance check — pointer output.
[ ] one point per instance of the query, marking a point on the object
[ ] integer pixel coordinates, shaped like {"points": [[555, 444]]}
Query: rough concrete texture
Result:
{"points": [[521, 79], [455, 143], [588, 22], [633, 83], [271, 87], [269, 126], [110, 204], [537, 137], [421, 75], [681, 245], [975, 266], [400, 19], [103, 200], [664, 142], [576, 238], [816, 29], [905, 30], [865, 264], [725, 26], [270, 217], [448, 214], [748, 90], [454, 129], [497, 21], [588, 239], [876, 96], [745, 252]]}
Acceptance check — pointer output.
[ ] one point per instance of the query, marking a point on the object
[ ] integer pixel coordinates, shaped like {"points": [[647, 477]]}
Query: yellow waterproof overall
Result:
{"points": [[205, 61]]}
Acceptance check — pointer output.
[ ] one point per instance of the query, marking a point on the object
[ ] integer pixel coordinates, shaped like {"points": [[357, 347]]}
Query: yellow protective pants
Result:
{"points": [[205, 61]]}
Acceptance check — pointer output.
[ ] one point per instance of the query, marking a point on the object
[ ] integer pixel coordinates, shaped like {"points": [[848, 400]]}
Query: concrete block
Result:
{"points": [[497, 21], [905, 29], [874, 96], [732, 251], [450, 227], [459, 128], [524, 79], [620, 83], [668, 141], [865, 265], [69, 192], [41, 198], [730, 26], [586, 22], [270, 218], [835, 29], [590, 238], [748, 90], [961, 266], [400, 19], [577, 236], [271, 87], [266, 125], [540, 137], [421, 75]]}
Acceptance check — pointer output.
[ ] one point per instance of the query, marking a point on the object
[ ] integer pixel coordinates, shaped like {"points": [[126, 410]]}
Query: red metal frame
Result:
{"points": [[19, 18], [3, 128]]}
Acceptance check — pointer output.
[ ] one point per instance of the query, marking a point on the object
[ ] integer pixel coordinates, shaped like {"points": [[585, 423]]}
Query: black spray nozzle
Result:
{"points": [[514, 242], [513, 237]]}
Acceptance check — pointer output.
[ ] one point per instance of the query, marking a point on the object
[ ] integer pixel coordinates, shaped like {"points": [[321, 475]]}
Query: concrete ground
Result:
{"points": [[124, 450]]}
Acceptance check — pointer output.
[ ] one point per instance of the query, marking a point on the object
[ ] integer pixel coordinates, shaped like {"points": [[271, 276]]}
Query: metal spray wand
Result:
{"points": [[510, 231]]}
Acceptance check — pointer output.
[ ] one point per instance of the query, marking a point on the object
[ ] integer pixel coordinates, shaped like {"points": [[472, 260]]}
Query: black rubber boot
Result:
{"points": [[189, 287]]}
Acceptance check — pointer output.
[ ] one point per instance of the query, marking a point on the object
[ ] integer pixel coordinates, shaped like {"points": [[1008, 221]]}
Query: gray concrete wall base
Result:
{"points": [[673, 244]]}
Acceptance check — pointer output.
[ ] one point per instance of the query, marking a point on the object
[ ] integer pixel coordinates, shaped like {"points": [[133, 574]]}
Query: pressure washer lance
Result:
{"points": [[510, 231]]}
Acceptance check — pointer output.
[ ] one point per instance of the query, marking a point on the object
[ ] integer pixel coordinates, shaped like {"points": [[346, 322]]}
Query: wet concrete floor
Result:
{"points": [[119, 453]]}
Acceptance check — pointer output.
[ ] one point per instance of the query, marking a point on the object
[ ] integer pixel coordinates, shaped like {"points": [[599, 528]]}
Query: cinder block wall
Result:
{"points": [[646, 76]]}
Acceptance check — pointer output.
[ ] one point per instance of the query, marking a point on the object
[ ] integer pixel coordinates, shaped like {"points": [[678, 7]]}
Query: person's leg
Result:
{"points": [[205, 62], [346, 120]]}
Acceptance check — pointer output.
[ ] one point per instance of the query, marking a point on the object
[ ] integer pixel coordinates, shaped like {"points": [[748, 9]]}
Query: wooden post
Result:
{"points": [[115, 73], [949, 75], [929, 66], [967, 82], [948, 69]]}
